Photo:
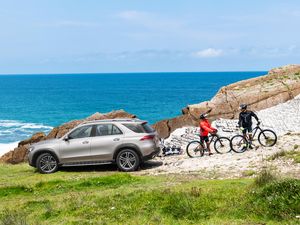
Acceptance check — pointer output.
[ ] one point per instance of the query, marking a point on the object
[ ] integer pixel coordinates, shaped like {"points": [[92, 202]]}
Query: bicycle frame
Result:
{"points": [[211, 138], [254, 131]]}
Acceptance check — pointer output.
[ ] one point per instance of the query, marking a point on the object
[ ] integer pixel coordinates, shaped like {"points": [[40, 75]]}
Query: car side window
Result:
{"points": [[81, 132], [107, 129]]}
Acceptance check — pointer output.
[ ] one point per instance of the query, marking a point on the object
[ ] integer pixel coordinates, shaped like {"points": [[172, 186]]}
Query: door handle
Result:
{"points": [[85, 142], [116, 139]]}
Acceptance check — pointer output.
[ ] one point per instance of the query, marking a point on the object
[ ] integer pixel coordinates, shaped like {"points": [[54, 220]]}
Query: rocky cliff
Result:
{"points": [[19, 154], [278, 86]]}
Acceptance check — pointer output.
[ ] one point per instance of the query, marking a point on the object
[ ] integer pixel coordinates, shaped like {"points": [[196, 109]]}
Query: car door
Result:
{"points": [[77, 147], [106, 139]]}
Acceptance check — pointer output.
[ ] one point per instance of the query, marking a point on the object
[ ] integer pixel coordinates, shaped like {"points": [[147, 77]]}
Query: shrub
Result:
{"points": [[277, 155], [264, 177]]}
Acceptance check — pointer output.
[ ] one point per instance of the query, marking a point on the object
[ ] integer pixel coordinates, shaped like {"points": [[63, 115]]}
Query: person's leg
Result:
{"points": [[208, 148], [208, 145], [202, 142], [245, 132], [250, 137], [245, 136]]}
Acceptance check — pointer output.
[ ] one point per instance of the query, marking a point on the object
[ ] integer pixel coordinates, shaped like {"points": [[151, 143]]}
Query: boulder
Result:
{"points": [[35, 138], [278, 86], [19, 154]]}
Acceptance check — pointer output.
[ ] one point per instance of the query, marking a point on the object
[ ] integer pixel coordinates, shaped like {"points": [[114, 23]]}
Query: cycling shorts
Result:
{"points": [[204, 138], [247, 129]]}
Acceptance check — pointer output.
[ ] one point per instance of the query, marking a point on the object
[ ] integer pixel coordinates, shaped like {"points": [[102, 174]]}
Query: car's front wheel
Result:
{"points": [[128, 160], [46, 163]]}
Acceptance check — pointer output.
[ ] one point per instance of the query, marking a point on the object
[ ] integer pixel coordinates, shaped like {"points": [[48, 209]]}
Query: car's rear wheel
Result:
{"points": [[46, 163], [128, 160]]}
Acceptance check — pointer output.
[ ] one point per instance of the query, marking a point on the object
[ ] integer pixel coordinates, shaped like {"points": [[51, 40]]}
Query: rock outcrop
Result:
{"points": [[278, 86], [19, 154]]}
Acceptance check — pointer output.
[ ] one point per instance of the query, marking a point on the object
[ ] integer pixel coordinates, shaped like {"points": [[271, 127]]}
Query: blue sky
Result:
{"points": [[73, 36]]}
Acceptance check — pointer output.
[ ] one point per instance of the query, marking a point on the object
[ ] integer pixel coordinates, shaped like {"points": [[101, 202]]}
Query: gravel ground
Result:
{"points": [[230, 165], [284, 119]]}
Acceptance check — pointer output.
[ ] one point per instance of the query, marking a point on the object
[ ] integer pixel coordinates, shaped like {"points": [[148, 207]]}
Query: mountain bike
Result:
{"points": [[197, 148], [266, 138]]}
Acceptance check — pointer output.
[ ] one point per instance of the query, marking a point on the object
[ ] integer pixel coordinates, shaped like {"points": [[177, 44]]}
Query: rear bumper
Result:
{"points": [[152, 155]]}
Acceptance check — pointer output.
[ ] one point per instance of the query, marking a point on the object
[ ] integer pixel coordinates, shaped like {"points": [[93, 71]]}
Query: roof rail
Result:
{"points": [[114, 120]]}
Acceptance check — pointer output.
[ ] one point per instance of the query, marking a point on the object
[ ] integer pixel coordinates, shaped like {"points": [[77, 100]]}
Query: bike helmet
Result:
{"points": [[203, 116], [243, 106]]}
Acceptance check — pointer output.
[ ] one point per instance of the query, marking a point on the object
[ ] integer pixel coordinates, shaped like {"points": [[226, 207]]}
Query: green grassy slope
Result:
{"points": [[93, 197]]}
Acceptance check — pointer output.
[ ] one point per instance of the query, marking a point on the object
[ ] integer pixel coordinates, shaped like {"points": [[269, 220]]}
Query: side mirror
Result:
{"points": [[66, 138]]}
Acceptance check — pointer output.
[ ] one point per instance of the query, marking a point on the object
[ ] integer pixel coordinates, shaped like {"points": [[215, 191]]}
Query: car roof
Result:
{"points": [[123, 120]]}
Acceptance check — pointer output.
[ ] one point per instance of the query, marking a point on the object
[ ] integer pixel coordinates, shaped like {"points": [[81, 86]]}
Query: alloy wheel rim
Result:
{"points": [[127, 160], [48, 163]]}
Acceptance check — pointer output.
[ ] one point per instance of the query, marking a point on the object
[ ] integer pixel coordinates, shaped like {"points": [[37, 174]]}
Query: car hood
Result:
{"points": [[46, 142]]}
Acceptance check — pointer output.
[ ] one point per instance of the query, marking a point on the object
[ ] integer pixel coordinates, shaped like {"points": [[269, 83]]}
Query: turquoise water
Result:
{"points": [[31, 103]]}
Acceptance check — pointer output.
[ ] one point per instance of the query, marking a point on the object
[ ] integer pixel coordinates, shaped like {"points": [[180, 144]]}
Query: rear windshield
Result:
{"points": [[139, 128]]}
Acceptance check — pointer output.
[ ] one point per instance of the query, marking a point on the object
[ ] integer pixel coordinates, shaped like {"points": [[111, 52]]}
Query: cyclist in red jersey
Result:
{"points": [[205, 129]]}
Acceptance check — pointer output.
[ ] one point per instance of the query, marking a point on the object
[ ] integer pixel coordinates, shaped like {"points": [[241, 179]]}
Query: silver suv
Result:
{"points": [[126, 142]]}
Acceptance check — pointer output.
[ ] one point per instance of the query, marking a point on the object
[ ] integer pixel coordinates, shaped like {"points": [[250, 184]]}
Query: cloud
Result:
{"points": [[208, 53]]}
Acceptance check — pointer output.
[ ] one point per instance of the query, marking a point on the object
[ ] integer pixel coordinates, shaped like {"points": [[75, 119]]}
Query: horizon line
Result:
{"points": [[111, 73]]}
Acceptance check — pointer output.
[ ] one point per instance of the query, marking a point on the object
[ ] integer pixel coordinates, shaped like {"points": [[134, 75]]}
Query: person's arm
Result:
{"points": [[208, 129], [240, 120], [255, 116]]}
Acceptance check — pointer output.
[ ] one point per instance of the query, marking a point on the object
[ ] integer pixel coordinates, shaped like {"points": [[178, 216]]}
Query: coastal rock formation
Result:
{"points": [[19, 154], [278, 86]]}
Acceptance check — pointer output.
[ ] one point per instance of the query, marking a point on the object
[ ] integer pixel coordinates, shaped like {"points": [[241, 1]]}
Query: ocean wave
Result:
{"points": [[35, 126], [10, 123], [12, 131]]}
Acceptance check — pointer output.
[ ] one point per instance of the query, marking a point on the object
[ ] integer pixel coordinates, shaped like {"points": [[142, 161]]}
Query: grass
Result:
{"points": [[277, 155], [99, 197], [248, 173], [293, 154]]}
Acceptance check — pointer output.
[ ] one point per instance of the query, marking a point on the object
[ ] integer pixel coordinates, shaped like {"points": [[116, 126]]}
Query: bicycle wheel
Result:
{"points": [[267, 138], [238, 143], [222, 145], [194, 149]]}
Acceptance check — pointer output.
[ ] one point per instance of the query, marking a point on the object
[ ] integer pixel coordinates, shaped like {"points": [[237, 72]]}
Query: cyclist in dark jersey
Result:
{"points": [[245, 122]]}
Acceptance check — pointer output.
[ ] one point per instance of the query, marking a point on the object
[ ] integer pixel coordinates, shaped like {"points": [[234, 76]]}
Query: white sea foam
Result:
{"points": [[10, 123], [6, 147], [35, 126], [13, 131]]}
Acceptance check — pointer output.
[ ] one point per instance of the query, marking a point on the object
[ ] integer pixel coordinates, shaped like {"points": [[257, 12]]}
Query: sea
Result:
{"points": [[39, 102]]}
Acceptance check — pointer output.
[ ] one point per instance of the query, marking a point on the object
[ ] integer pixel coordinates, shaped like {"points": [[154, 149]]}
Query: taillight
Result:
{"points": [[147, 137]]}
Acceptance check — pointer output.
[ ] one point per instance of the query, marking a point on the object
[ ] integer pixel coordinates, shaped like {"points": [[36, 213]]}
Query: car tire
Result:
{"points": [[46, 163], [128, 160]]}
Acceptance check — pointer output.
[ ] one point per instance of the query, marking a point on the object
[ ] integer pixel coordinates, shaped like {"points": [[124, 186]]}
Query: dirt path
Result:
{"points": [[231, 165]]}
